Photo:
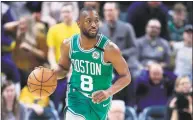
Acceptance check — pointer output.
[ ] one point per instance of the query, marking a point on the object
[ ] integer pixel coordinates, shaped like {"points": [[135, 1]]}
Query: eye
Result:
{"points": [[96, 21], [88, 21]]}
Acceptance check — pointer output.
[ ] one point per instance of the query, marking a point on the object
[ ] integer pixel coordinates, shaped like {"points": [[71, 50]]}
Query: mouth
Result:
{"points": [[93, 29]]}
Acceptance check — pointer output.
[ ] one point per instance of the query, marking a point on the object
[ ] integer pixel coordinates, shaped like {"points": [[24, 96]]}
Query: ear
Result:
{"points": [[78, 22]]}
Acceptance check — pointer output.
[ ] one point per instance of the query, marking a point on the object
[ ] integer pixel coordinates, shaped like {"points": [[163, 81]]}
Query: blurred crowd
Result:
{"points": [[155, 39]]}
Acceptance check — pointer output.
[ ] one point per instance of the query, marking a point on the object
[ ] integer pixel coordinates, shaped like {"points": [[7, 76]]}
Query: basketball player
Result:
{"points": [[92, 57]]}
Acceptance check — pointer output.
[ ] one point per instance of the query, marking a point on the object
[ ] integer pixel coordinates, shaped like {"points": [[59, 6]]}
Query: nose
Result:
{"points": [[93, 24]]}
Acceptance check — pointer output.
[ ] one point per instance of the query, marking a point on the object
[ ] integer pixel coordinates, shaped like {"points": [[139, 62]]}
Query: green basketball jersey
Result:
{"points": [[89, 74], [89, 71]]}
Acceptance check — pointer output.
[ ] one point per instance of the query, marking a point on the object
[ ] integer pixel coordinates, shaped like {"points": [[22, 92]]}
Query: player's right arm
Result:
{"points": [[51, 57], [64, 61]]}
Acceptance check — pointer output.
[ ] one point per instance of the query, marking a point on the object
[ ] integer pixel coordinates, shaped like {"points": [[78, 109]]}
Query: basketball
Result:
{"points": [[42, 82]]}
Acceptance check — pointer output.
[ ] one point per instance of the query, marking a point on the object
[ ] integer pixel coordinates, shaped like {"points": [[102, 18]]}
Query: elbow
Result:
{"points": [[128, 79]]}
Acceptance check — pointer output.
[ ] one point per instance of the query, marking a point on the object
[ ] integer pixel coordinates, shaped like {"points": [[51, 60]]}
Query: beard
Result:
{"points": [[153, 34], [90, 35]]}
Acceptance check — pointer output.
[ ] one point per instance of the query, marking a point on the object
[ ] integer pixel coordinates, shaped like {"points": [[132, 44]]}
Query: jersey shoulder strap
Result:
{"points": [[103, 42]]}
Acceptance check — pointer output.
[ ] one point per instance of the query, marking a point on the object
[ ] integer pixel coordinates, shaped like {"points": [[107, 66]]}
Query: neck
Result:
{"points": [[151, 38], [178, 23], [188, 44], [9, 106], [68, 23], [86, 42], [111, 22]]}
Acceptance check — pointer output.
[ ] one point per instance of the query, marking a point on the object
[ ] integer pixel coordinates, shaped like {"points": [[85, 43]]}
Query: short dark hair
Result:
{"points": [[85, 9], [179, 7]]}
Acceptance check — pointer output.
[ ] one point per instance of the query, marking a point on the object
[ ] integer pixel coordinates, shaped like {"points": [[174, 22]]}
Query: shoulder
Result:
{"points": [[164, 41], [143, 77], [21, 106], [124, 24], [56, 26], [140, 40], [23, 111], [111, 48], [104, 25], [75, 24]]}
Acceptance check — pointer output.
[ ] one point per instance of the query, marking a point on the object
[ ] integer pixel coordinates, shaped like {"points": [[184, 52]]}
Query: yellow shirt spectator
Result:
{"points": [[27, 98], [58, 33]]}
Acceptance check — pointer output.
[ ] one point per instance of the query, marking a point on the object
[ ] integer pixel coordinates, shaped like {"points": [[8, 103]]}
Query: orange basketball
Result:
{"points": [[42, 82]]}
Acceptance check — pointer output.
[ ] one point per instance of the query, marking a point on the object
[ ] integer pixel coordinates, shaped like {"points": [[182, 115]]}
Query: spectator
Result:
{"points": [[40, 107], [151, 48], [119, 32], [56, 35], [50, 12], [117, 110], [153, 87], [122, 34], [11, 109], [26, 53], [7, 44], [176, 24], [59, 32], [183, 62], [139, 13], [180, 105]]}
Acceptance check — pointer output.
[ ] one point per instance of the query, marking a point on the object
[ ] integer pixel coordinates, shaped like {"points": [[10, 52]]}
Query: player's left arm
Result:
{"points": [[113, 54]]}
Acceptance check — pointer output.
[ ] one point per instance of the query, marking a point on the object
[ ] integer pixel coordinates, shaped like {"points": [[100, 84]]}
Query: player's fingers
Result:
{"points": [[101, 99], [94, 94], [100, 96], [95, 98], [38, 67]]}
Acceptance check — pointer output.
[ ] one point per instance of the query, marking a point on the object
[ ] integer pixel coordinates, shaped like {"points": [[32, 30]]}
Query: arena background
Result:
{"points": [[31, 33]]}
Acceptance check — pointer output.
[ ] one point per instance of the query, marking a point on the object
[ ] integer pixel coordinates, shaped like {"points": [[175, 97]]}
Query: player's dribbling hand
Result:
{"points": [[100, 96], [38, 67]]}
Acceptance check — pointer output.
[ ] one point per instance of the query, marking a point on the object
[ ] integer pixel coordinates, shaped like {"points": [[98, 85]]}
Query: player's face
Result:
{"points": [[9, 93], [89, 24]]}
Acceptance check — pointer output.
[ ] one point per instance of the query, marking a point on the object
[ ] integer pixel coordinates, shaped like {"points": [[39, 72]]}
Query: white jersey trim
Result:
{"points": [[90, 50], [102, 55]]}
